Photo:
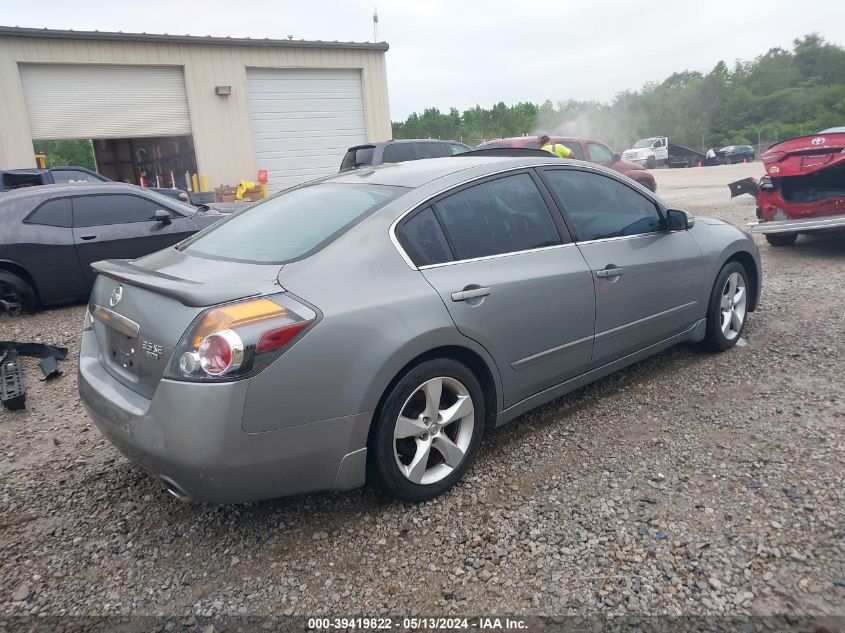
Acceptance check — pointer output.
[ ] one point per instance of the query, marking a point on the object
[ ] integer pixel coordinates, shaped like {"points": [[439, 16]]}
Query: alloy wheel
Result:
{"points": [[434, 430], [733, 305]]}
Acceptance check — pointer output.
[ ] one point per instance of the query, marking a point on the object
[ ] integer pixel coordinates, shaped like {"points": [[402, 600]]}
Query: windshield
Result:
{"points": [[644, 142], [292, 224], [172, 203]]}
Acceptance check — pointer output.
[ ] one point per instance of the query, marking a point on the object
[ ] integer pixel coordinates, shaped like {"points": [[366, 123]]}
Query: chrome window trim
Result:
{"points": [[626, 237], [496, 256]]}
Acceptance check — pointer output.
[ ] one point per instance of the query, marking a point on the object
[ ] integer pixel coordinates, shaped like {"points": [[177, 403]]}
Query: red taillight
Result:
{"points": [[237, 340], [221, 353], [773, 158], [279, 337]]}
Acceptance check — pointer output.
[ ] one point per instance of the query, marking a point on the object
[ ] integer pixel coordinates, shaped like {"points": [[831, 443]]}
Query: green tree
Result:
{"points": [[778, 94], [66, 152]]}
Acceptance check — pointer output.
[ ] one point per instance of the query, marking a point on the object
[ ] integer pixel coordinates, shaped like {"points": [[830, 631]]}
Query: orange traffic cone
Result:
{"points": [[699, 163], [744, 161]]}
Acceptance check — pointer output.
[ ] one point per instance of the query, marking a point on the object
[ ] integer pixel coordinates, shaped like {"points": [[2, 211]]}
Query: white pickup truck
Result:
{"points": [[657, 150]]}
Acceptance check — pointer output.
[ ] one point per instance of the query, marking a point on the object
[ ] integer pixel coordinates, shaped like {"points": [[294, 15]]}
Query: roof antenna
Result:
{"points": [[375, 24]]}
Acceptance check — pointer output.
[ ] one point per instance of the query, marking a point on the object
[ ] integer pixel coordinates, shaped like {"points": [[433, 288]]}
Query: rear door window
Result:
{"points": [[52, 213], [601, 207], [423, 239], [291, 225], [112, 209], [499, 216], [433, 150], [399, 152]]}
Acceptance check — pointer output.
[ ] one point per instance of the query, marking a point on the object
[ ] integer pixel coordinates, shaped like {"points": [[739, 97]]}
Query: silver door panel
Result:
{"points": [[533, 311]]}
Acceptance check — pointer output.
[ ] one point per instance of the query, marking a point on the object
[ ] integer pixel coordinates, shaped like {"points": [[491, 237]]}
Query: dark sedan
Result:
{"points": [[50, 235], [735, 154]]}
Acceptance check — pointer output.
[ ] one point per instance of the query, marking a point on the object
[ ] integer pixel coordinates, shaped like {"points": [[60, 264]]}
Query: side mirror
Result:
{"points": [[616, 157], [679, 220], [162, 216]]}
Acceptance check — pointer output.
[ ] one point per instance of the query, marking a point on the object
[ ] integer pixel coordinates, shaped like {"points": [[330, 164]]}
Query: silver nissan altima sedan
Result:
{"points": [[370, 326]]}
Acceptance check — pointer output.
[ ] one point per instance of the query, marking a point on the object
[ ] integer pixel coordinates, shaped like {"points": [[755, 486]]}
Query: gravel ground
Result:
{"points": [[688, 484]]}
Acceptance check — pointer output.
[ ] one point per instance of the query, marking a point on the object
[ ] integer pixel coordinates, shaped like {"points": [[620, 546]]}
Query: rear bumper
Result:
{"points": [[799, 226], [190, 436]]}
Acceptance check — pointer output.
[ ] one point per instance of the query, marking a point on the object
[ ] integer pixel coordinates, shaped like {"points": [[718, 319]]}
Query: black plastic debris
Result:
{"points": [[12, 393], [50, 368], [746, 185], [37, 350]]}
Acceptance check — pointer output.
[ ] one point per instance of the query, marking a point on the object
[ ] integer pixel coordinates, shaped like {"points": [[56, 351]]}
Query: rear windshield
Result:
{"points": [[291, 225]]}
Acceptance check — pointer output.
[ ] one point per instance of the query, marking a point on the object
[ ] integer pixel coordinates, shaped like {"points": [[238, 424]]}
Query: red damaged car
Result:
{"points": [[803, 190], [587, 149]]}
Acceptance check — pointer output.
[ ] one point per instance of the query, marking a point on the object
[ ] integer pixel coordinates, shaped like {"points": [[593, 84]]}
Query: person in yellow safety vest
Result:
{"points": [[557, 149]]}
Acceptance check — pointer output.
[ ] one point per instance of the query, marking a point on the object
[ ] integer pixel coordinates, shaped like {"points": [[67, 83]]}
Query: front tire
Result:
{"points": [[728, 308], [428, 431], [651, 162], [16, 295], [781, 239]]}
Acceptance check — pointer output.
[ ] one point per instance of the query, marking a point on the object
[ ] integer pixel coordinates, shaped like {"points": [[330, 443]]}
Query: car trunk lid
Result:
{"points": [[142, 308], [804, 155]]}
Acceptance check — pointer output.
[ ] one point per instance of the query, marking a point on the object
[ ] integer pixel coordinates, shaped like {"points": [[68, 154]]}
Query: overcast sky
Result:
{"points": [[468, 52]]}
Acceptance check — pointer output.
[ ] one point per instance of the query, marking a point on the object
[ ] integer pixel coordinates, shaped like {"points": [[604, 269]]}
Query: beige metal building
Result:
{"points": [[156, 105]]}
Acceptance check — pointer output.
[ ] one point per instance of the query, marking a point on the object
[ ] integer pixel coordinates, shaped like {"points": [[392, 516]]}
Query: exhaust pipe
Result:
{"points": [[173, 488]]}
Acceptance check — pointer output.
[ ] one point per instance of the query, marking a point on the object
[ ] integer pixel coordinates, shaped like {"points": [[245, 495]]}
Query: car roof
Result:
{"points": [[533, 138], [402, 141], [69, 188], [27, 171], [415, 173]]}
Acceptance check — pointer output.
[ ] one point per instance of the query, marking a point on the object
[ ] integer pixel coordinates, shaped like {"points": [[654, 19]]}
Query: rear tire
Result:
{"points": [[16, 294], [781, 239], [727, 310], [646, 184], [420, 448]]}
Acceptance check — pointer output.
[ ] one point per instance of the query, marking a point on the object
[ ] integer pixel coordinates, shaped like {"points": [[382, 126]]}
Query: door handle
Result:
{"points": [[610, 272], [472, 293], [87, 237]]}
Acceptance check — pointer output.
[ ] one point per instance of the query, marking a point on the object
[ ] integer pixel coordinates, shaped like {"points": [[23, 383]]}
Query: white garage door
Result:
{"points": [[303, 121], [104, 101]]}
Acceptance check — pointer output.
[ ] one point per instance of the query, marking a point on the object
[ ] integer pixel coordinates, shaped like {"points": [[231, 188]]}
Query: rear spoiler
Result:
{"points": [[193, 294], [364, 146]]}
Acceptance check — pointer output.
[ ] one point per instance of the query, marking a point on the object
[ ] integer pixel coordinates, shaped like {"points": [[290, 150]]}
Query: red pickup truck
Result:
{"points": [[587, 149]]}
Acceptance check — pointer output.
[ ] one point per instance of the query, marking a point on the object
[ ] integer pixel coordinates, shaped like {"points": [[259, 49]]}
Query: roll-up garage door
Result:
{"points": [[104, 101], [303, 121]]}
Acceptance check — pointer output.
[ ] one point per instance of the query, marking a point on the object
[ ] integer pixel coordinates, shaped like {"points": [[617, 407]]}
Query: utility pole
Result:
{"points": [[375, 24]]}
